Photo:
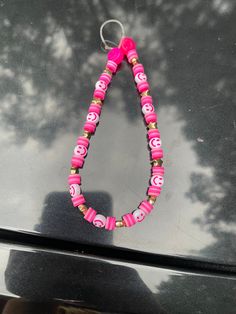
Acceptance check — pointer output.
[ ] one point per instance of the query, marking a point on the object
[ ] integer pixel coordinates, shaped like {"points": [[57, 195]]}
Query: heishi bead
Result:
{"points": [[78, 200], [74, 179], [127, 44], [157, 153], [101, 85], [89, 127], [92, 117], [147, 108], [152, 133], [132, 54], [150, 117], [146, 100], [95, 108], [90, 214], [77, 161], [74, 190], [116, 55], [99, 94], [110, 223], [155, 142], [112, 66], [140, 77], [143, 86], [146, 206], [105, 77], [137, 68], [154, 190], [139, 215], [83, 141], [80, 150], [157, 180], [99, 221], [158, 170], [129, 220]]}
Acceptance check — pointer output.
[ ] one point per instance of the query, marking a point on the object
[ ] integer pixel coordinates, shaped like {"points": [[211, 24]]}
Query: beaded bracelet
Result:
{"points": [[115, 56]]}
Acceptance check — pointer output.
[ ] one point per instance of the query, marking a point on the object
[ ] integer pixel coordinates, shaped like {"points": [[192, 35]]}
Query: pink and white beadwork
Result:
{"points": [[126, 48]]}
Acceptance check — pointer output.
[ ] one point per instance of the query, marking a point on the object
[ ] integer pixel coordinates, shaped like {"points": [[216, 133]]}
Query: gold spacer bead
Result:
{"points": [[134, 61], [120, 223], [157, 162], [107, 71], [97, 101], [74, 170], [83, 208], [152, 125], [152, 199], [87, 134], [146, 93]]}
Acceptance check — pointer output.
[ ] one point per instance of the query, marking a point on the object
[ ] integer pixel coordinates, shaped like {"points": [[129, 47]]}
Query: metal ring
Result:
{"points": [[104, 41]]}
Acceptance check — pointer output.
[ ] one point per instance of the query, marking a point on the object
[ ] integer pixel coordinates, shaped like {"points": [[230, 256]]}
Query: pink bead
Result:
{"points": [[116, 55], [80, 150], [140, 77], [95, 108], [77, 161], [131, 54], [146, 206], [137, 68], [101, 85], [157, 180], [83, 141], [90, 214], [78, 200], [155, 142], [150, 117], [110, 223], [146, 100], [99, 94], [157, 153], [74, 179], [147, 108], [143, 86], [127, 44], [158, 170], [99, 221], [112, 66], [129, 220], [74, 190], [154, 190], [90, 127], [139, 215], [153, 133], [105, 77], [92, 117]]}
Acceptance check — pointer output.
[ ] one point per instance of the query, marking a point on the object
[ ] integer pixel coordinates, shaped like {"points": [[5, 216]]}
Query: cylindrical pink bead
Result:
{"points": [[116, 55], [150, 117], [143, 86], [131, 54], [105, 77], [146, 100], [78, 200], [127, 44], [129, 220], [98, 93], [77, 161], [110, 223], [158, 170], [83, 141], [146, 206], [152, 133], [157, 153], [90, 214], [137, 68], [154, 190], [74, 179], [90, 127], [95, 108], [112, 66]]}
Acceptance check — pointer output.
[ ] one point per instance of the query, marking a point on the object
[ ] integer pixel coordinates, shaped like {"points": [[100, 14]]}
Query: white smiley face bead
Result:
{"points": [[157, 180], [139, 215], [80, 150], [74, 189], [101, 85], [140, 77], [155, 142], [147, 108], [99, 221], [93, 117]]}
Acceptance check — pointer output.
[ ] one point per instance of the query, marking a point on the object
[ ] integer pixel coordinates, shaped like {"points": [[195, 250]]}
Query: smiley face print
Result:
{"points": [[147, 108], [139, 215], [101, 85], [80, 150], [140, 77], [93, 117], [157, 180], [155, 142]]}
